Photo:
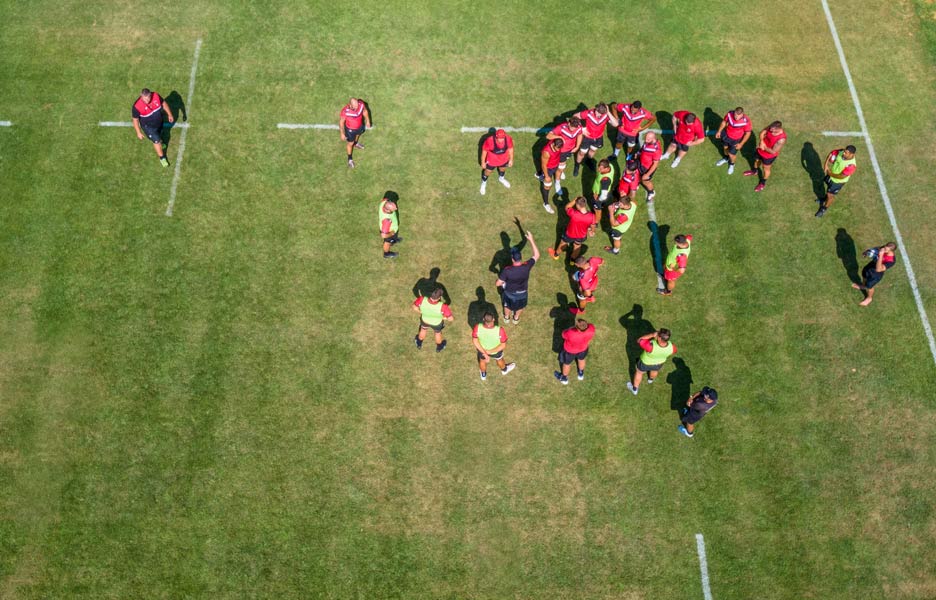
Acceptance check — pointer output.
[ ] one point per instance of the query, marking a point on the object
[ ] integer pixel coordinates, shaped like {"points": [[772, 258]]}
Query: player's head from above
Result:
{"points": [[637, 104], [663, 335], [631, 166], [488, 319], [500, 134], [515, 255], [581, 324], [146, 94], [353, 103], [601, 108], [850, 151], [709, 394], [682, 240], [689, 119], [650, 137], [581, 204], [738, 112], [389, 206], [575, 122], [604, 166], [775, 127], [889, 246], [436, 294], [556, 144], [581, 262]]}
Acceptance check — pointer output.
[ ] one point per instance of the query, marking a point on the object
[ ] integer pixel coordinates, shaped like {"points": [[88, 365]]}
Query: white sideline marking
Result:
{"points": [[166, 124], [657, 247], [6, 123], [843, 133], [507, 129], [927, 328], [188, 109], [703, 564], [306, 126]]}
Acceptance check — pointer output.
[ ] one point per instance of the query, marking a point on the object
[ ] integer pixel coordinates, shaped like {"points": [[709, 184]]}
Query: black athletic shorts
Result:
{"points": [[731, 144], [648, 368], [572, 240], [871, 276], [630, 140], [514, 303], [683, 147], [152, 132], [588, 143], [493, 355], [353, 134], [566, 358], [643, 171], [436, 328], [692, 417], [564, 156], [499, 169], [832, 187]]}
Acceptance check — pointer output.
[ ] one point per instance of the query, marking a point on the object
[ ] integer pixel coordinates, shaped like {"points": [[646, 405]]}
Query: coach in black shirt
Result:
{"points": [[515, 278], [697, 407]]}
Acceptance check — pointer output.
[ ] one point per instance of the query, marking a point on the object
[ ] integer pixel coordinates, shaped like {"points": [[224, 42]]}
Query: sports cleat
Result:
{"points": [[562, 174], [750, 172], [650, 379], [581, 374], [558, 188], [504, 182], [418, 342], [390, 254], [633, 390], [164, 161], [731, 169], [350, 164], [552, 253], [561, 378], [759, 187], [516, 321], [359, 145], [510, 367], [538, 176], [684, 431], [575, 170], [548, 208], [614, 251], [821, 211], [441, 347], [651, 196], [483, 187], [665, 292], [722, 162], [665, 156], [483, 376], [675, 163]]}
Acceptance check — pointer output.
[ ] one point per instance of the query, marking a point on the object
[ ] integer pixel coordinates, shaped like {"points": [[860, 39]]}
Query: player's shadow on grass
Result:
{"points": [[425, 285], [812, 164], [537, 149], [845, 250], [664, 121], [490, 133], [710, 122], [635, 326], [501, 258], [480, 306], [680, 381], [658, 236], [562, 320]]}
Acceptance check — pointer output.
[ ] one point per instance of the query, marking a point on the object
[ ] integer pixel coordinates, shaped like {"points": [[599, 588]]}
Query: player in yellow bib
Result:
{"points": [[433, 313], [656, 347], [489, 340], [389, 224]]}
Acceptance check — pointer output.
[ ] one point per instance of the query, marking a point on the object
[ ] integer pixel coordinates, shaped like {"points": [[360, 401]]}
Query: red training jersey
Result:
{"points": [[568, 134], [497, 154], [588, 277], [552, 156], [148, 111], [687, 132], [629, 183], [446, 311], [631, 118], [575, 341], [770, 140], [650, 153], [735, 127], [353, 118], [594, 123], [579, 222]]}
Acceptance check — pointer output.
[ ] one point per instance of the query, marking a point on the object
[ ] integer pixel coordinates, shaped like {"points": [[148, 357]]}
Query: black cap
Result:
{"points": [[515, 254], [710, 393]]}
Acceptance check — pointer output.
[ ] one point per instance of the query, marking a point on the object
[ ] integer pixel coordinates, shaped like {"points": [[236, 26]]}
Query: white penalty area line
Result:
{"points": [[872, 155], [166, 124], [188, 109], [703, 566], [843, 134]]}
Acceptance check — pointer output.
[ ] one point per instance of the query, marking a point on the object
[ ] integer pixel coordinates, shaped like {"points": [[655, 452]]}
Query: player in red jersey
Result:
{"points": [[595, 120], [581, 226], [648, 159], [630, 181], [147, 114], [575, 341], [353, 120], [550, 160], [571, 134], [769, 145], [633, 118], [497, 152], [734, 131], [587, 279], [687, 132]]}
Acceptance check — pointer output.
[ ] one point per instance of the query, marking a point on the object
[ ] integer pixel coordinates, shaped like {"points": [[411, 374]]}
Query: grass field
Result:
{"points": [[227, 403]]}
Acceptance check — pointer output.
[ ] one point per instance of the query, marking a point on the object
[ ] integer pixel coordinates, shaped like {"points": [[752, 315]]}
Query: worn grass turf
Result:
{"points": [[228, 403]]}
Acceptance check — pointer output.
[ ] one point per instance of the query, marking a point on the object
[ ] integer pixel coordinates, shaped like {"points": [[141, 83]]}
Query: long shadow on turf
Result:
{"points": [[812, 164], [490, 133], [658, 235], [479, 307], [177, 107], [636, 326], [665, 122], [711, 121], [562, 320], [425, 285], [845, 250], [680, 381], [501, 258]]}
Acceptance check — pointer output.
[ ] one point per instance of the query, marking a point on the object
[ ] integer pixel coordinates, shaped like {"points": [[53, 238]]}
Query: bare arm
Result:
{"points": [[777, 146], [536, 252], [168, 112], [484, 154], [341, 122], [367, 117], [721, 127], [510, 157], [744, 139], [136, 125]]}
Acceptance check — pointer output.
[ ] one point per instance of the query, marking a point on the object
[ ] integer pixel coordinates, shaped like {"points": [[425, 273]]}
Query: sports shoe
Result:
{"points": [[359, 145], [561, 378], [504, 182], [516, 321], [675, 163], [731, 169], [510, 367], [575, 170], [633, 390], [665, 156], [350, 164], [581, 374], [664, 292], [538, 176], [759, 187], [164, 161], [562, 174], [418, 342], [614, 251], [684, 431], [390, 254], [558, 187], [552, 253], [483, 375], [750, 172], [651, 196], [821, 211], [722, 162], [650, 380], [483, 187], [441, 347], [548, 208]]}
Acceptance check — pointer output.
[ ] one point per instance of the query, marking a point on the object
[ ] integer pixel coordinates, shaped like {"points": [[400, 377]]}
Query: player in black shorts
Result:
{"points": [[515, 279], [697, 407], [147, 114], [882, 259]]}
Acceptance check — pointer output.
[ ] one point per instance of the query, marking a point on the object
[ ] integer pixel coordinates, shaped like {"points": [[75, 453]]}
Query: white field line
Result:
{"points": [[843, 133], [6, 124], [188, 110], [703, 566], [507, 129], [306, 126], [166, 125], [927, 328]]}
